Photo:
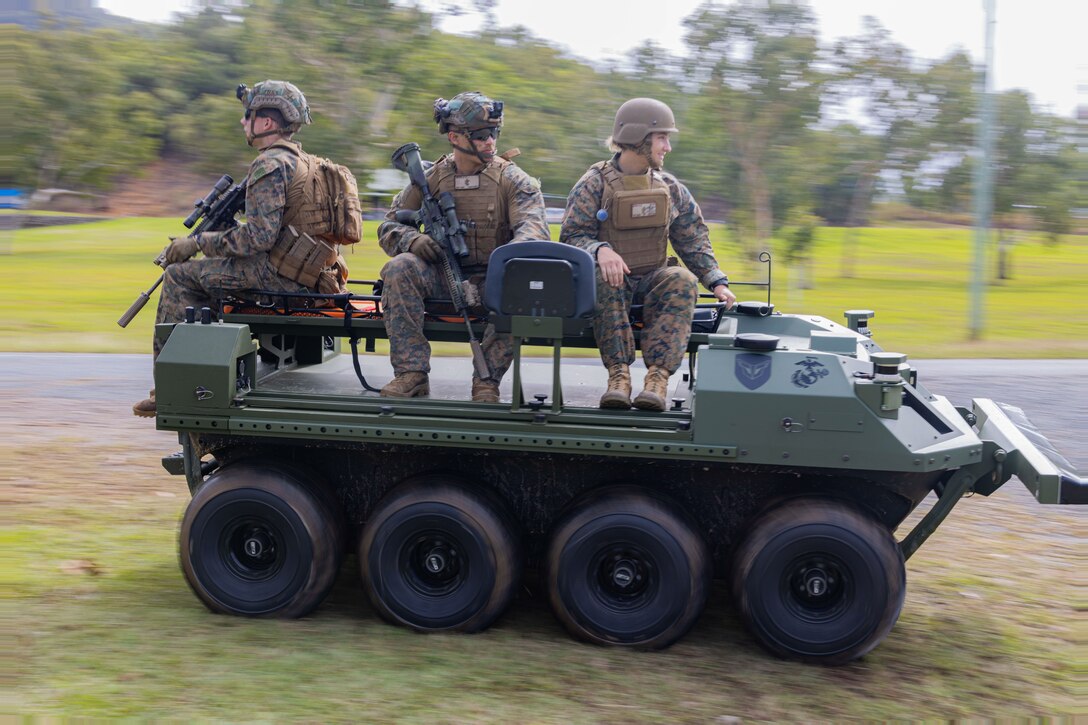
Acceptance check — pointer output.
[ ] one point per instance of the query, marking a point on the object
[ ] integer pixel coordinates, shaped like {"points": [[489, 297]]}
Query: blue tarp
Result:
{"points": [[12, 199]]}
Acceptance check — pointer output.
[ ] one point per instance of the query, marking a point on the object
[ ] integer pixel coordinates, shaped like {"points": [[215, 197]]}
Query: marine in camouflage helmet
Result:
{"points": [[471, 110], [238, 260], [626, 211], [498, 202], [636, 121], [470, 114], [279, 95]]}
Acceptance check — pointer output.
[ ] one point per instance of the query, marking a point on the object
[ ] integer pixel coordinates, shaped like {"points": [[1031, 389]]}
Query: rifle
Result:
{"points": [[216, 212], [438, 217]]}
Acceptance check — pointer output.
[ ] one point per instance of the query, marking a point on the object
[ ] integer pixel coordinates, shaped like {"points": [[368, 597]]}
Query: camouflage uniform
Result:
{"points": [[408, 280], [236, 260], [668, 294]]}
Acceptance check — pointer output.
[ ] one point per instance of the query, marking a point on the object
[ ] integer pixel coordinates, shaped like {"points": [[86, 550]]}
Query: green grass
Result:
{"points": [[100, 624], [98, 621], [63, 288]]}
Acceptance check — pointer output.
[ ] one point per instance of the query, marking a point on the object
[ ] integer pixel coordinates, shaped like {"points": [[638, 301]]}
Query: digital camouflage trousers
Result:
{"points": [[408, 281], [668, 296], [205, 282]]}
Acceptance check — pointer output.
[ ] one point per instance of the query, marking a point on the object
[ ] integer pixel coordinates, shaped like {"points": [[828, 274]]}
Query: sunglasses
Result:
{"points": [[248, 114], [483, 134]]}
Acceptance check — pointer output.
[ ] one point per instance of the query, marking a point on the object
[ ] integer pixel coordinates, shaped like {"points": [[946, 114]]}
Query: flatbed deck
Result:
{"points": [[583, 379]]}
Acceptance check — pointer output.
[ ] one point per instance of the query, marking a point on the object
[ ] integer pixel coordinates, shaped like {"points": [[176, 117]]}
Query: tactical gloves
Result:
{"points": [[425, 248], [180, 249]]}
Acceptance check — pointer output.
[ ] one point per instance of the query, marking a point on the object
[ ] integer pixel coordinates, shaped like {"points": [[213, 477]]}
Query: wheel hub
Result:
{"points": [[433, 564], [624, 573], [251, 551], [816, 583], [257, 544], [436, 560]]}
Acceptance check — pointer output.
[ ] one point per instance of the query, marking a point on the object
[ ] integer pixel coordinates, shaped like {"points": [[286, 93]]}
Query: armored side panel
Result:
{"points": [[794, 405], [203, 367]]}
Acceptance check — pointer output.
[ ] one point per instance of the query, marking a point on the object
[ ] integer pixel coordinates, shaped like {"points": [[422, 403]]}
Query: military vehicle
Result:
{"points": [[793, 449]]}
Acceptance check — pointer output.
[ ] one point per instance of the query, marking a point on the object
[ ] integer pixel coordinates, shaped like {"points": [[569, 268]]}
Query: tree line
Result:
{"points": [[776, 127]]}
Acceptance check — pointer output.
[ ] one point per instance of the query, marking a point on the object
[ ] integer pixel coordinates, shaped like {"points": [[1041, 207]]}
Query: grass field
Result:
{"points": [[62, 288], [98, 621]]}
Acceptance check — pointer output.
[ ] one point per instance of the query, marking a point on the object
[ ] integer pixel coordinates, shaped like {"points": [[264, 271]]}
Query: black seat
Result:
{"points": [[540, 279], [540, 292]]}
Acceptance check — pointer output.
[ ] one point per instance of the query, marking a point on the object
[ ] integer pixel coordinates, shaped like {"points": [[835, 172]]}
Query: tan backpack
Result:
{"points": [[323, 201], [322, 212]]}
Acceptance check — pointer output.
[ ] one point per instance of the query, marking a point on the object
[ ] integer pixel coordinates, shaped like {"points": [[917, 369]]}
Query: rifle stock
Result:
{"points": [[438, 217]]}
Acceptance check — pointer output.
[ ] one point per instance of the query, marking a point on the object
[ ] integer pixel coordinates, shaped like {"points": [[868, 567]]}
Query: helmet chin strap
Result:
{"points": [[484, 158], [251, 137], [646, 151]]}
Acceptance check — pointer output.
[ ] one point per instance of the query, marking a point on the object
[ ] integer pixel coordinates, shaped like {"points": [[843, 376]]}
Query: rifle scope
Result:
{"points": [[201, 206]]}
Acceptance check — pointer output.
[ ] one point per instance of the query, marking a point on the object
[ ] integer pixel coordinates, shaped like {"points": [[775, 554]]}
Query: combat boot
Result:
{"points": [[618, 394], [146, 407], [485, 391], [407, 385], [654, 389]]}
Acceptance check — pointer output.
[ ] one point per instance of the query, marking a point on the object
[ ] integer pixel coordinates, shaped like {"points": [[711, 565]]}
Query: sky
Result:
{"points": [[1037, 46]]}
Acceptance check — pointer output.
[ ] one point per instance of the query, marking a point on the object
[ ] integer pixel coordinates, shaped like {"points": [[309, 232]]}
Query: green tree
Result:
{"points": [[937, 173], [84, 123], [757, 65]]}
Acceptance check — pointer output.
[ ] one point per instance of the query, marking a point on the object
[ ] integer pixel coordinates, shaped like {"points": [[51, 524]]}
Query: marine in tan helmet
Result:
{"points": [[243, 260], [625, 211], [499, 202]]}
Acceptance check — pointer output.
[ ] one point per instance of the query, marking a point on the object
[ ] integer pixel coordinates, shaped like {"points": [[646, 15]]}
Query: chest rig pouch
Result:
{"points": [[480, 201], [639, 212], [301, 252]]}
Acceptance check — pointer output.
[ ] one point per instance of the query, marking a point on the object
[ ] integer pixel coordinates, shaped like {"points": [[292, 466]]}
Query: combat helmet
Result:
{"points": [[467, 111], [638, 118], [283, 96]]}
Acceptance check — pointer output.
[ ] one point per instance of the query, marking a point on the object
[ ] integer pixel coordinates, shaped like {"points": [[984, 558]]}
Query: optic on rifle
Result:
{"points": [[201, 206]]}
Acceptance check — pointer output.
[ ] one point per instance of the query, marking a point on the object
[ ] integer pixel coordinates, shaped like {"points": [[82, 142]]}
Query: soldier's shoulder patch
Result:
{"points": [[264, 165]]}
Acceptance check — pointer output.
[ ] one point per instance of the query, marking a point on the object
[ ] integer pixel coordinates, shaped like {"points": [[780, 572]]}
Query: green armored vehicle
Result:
{"points": [[793, 449]]}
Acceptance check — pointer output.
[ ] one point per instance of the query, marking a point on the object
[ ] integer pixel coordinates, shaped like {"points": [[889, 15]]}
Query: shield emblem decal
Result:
{"points": [[753, 370]]}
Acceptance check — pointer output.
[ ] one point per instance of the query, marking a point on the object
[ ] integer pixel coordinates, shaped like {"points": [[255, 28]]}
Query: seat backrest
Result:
{"points": [[541, 279]]}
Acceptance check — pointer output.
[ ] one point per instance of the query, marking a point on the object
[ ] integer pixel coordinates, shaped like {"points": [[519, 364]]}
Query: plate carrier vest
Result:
{"points": [[639, 212], [480, 200]]}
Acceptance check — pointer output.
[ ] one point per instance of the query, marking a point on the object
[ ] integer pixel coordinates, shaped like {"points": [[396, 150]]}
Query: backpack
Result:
{"points": [[323, 201]]}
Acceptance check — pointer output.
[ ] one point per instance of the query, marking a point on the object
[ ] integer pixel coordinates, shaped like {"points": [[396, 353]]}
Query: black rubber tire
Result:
{"points": [[627, 568], [465, 533], [295, 525], [819, 581]]}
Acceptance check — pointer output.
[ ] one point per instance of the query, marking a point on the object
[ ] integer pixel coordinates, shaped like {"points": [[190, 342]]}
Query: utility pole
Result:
{"points": [[983, 177]]}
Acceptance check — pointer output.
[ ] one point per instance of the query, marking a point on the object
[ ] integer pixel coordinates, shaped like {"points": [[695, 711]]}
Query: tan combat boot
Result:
{"points": [[407, 385], [654, 389], [618, 394], [485, 391], [146, 407]]}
